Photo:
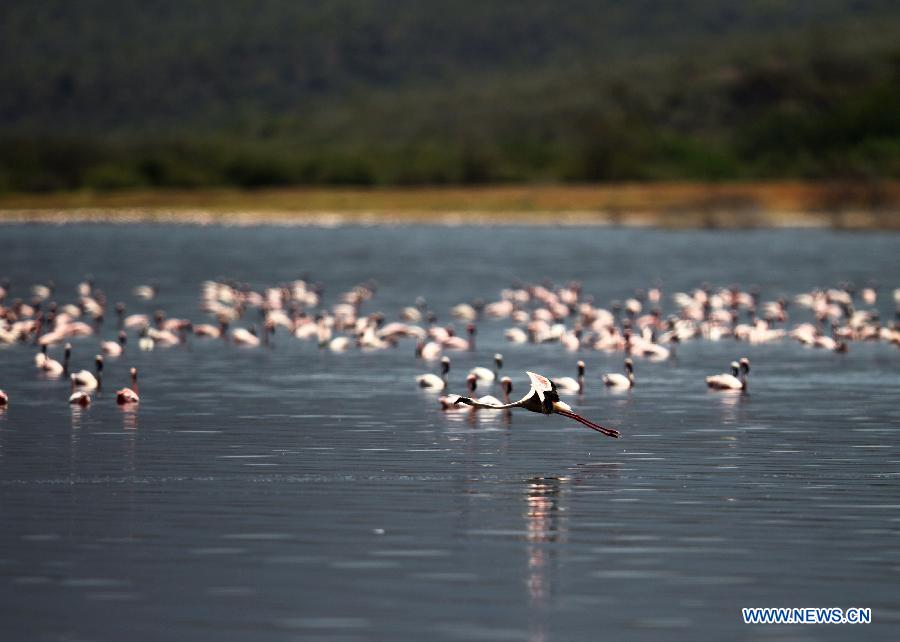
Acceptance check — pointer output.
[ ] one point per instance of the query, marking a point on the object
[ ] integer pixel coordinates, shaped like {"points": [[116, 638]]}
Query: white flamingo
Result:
{"points": [[617, 380], [54, 368], [725, 381], [484, 374], [731, 381], [433, 381], [568, 384], [87, 380]]}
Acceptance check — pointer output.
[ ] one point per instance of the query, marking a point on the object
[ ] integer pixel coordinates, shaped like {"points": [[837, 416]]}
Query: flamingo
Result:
{"points": [[54, 368], [129, 395], [617, 380], [543, 398], [516, 335], [486, 400], [136, 321], [433, 381], [568, 384], [146, 292], [484, 374], [428, 351], [731, 381], [209, 330], [115, 348], [41, 357], [4, 399], [146, 342], [449, 402], [79, 397], [87, 380], [242, 336], [725, 381], [458, 343]]}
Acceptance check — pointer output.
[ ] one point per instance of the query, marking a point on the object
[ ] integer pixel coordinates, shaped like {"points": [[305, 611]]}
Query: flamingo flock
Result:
{"points": [[832, 319]]}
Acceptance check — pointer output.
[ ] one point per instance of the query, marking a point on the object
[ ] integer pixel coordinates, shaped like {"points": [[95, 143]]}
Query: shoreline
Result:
{"points": [[860, 221], [846, 206]]}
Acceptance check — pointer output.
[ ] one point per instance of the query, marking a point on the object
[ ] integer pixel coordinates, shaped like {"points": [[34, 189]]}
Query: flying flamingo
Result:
{"points": [[543, 398], [568, 384], [616, 380], [129, 395], [79, 397], [433, 381]]}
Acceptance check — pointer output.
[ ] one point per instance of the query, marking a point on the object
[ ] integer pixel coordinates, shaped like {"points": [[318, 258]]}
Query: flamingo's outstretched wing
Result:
{"points": [[540, 384]]}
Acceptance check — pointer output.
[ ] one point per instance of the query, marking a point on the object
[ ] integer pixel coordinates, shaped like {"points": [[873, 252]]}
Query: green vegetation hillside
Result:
{"points": [[103, 94]]}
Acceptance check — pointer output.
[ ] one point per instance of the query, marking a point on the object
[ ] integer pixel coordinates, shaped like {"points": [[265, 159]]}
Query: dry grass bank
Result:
{"points": [[852, 205]]}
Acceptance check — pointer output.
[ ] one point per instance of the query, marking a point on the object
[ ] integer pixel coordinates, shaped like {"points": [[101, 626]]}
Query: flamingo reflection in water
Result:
{"points": [[544, 526]]}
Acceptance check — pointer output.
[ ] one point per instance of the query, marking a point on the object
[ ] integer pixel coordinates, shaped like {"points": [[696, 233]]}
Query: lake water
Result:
{"points": [[294, 493]]}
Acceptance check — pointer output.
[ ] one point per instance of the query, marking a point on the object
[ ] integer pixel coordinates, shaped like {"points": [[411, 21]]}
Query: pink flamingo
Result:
{"points": [[79, 397], [129, 395], [114, 348]]}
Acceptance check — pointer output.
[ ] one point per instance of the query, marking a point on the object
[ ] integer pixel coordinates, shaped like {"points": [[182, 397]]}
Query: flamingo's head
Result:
{"points": [[506, 385], [629, 365], [471, 383], [581, 368], [445, 365], [745, 365], [498, 360]]}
